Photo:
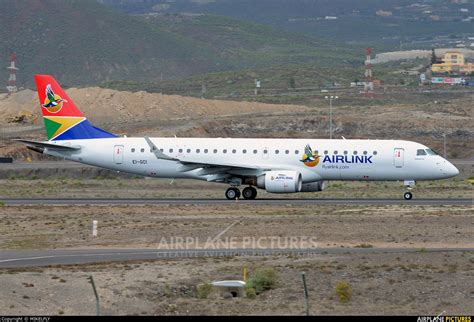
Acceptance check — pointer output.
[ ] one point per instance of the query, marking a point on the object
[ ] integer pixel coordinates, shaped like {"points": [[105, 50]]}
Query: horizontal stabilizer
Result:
{"points": [[50, 146]]}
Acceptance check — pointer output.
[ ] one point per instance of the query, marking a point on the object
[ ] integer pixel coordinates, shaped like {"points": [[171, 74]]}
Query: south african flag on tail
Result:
{"points": [[62, 119]]}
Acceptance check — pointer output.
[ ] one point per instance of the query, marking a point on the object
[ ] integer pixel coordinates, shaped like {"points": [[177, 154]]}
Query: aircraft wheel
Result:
{"points": [[249, 193], [232, 193], [408, 196]]}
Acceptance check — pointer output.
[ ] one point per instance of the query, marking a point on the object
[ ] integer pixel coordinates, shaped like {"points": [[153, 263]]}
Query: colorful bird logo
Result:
{"points": [[310, 158], [52, 102]]}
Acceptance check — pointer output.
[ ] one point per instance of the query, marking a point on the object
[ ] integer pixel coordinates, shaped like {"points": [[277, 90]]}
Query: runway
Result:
{"points": [[415, 202], [38, 258]]}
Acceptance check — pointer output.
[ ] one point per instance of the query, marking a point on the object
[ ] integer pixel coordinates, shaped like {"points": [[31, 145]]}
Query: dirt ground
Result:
{"points": [[420, 282], [53, 227], [68, 184]]}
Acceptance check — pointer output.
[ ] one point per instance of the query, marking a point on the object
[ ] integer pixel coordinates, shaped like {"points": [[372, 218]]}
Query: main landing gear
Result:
{"points": [[234, 193]]}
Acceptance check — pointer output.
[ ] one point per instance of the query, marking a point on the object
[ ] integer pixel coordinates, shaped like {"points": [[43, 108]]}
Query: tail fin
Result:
{"points": [[62, 119]]}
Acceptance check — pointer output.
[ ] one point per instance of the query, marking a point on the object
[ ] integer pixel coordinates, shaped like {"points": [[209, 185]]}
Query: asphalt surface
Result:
{"points": [[418, 202], [37, 258]]}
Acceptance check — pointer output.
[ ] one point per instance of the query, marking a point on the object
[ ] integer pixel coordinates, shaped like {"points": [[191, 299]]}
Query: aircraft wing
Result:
{"points": [[214, 171], [50, 146]]}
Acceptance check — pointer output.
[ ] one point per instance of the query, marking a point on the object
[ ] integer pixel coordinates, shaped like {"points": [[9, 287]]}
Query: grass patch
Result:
{"points": [[204, 290], [343, 291], [262, 279]]}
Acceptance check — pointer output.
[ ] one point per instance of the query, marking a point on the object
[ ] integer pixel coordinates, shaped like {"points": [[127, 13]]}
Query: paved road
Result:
{"points": [[11, 259], [425, 202]]}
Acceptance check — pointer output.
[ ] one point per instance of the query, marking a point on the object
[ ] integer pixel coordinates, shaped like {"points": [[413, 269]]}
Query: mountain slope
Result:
{"points": [[244, 45], [84, 42], [381, 23]]}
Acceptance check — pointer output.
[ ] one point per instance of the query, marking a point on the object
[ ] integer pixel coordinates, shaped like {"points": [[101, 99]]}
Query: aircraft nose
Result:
{"points": [[450, 170]]}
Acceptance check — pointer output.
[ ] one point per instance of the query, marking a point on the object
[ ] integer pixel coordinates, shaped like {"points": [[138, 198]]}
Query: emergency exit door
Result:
{"points": [[118, 154], [398, 155]]}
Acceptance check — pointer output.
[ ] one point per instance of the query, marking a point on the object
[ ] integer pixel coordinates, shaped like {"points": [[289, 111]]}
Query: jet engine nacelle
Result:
{"points": [[314, 186], [280, 181]]}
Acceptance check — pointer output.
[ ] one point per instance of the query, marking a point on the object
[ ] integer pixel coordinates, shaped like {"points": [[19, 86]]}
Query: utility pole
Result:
{"points": [[12, 80], [330, 98]]}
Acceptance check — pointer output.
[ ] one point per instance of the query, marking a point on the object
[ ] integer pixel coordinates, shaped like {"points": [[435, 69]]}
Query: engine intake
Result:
{"points": [[280, 181]]}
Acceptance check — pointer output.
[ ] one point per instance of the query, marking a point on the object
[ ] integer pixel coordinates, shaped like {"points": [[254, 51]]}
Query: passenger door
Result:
{"points": [[118, 154], [398, 157]]}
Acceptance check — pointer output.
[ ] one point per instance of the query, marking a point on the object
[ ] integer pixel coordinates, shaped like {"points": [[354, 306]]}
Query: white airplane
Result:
{"points": [[276, 165]]}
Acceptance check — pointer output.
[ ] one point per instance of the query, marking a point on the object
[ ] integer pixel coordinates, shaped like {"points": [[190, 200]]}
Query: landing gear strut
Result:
{"points": [[409, 184], [249, 193], [232, 193]]}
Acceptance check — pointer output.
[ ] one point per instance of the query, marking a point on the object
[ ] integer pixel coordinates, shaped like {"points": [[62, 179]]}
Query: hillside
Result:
{"points": [[382, 24], [84, 42]]}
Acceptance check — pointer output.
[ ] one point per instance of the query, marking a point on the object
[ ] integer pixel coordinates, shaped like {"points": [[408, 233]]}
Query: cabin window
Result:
{"points": [[142, 150], [206, 150], [297, 152], [244, 151], [171, 150], [198, 150], [421, 152], [215, 150], [345, 152], [133, 149], [161, 150], [326, 152], [224, 151], [335, 152], [354, 153], [287, 151], [277, 151], [255, 151], [188, 150], [375, 152], [265, 151], [365, 152], [180, 150], [234, 151]]}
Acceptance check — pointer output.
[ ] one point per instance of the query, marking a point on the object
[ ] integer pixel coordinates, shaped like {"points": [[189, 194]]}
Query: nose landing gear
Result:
{"points": [[409, 184], [408, 195]]}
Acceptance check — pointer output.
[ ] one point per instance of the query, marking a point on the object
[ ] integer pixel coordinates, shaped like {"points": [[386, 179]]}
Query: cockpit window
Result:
{"points": [[420, 152], [431, 152]]}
